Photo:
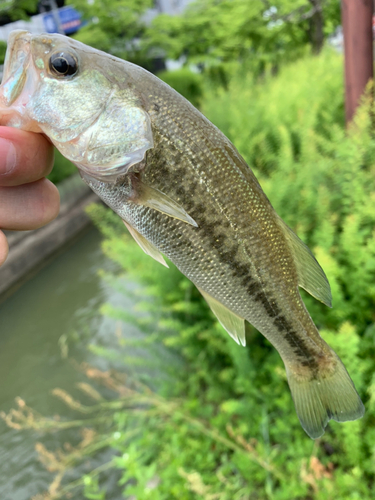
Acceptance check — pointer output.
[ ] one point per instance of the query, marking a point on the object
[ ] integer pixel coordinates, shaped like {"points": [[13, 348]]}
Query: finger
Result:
{"points": [[3, 248], [24, 157], [28, 206]]}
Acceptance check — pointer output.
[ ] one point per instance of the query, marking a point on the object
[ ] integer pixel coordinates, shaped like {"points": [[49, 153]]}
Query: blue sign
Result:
{"points": [[70, 21]]}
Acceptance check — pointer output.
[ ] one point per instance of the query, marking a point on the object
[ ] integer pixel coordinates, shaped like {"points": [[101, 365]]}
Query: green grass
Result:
{"points": [[62, 168]]}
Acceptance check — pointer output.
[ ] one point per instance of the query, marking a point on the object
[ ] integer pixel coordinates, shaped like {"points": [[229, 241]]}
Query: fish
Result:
{"points": [[183, 191]]}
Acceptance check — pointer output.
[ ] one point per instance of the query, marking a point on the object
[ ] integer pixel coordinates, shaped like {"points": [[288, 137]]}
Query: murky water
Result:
{"points": [[62, 299]]}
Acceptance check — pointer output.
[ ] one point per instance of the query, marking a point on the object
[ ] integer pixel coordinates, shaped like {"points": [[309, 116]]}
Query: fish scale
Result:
{"points": [[184, 191], [207, 277]]}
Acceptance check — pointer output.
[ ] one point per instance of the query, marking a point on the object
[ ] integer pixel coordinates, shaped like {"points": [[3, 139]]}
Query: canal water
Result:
{"points": [[61, 301]]}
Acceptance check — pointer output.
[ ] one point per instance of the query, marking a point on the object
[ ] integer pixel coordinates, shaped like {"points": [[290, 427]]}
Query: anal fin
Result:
{"points": [[231, 322], [146, 246]]}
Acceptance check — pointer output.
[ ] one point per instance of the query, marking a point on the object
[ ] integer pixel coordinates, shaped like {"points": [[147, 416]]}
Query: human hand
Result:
{"points": [[27, 199]]}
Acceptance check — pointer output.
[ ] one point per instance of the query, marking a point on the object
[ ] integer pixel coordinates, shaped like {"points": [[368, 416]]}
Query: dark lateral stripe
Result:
{"points": [[215, 235]]}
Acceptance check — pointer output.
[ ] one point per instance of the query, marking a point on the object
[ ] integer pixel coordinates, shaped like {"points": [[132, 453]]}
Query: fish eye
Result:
{"points": [[63, 64]]}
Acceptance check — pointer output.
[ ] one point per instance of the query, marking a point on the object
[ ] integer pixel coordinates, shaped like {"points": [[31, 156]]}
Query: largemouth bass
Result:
{"points": [[184, 191]]}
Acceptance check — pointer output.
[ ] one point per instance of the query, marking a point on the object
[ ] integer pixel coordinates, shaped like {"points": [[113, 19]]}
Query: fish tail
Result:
{"points": [[327, 394]]}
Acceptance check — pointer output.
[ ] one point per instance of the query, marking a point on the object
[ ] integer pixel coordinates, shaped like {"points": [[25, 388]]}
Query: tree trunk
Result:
{"points": [[358, 49], [316, 27]]}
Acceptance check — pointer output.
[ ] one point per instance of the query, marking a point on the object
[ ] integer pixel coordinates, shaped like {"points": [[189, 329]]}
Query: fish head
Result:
{"points": [[82, 99]]}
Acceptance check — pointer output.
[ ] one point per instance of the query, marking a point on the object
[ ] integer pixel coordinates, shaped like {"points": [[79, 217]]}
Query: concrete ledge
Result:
{"points": [[28, 249]]}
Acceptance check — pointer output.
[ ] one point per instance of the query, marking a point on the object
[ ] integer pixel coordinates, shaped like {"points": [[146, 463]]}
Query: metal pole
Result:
{"points": [[52, 7], [358, 49], [55, 13]]}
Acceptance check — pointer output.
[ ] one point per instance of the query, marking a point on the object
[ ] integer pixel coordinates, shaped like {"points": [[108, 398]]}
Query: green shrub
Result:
{"points": [[223, 425], [260, 118], [320, 179], [3, 49], [62, 168]]}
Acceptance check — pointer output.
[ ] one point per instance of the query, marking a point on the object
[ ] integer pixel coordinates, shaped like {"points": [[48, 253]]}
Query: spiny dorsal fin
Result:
{"points": [[311, 276], [146, 246], [155, 199], [233, 324]]}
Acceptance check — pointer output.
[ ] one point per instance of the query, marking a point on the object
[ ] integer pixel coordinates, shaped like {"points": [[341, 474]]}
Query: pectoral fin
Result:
{"points": [[311, 276], [146, 246], [233, 324], [155, 199]]}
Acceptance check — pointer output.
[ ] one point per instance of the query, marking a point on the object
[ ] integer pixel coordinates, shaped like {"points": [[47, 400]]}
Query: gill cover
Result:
{"points": [[92, 122], [110, 135]]}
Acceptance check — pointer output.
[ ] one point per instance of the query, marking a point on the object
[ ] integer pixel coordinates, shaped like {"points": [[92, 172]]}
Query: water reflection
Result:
{"points": [[64, 297]]}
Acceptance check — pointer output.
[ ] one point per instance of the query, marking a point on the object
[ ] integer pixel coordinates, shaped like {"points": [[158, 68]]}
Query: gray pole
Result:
{"points": [[54, 11]]}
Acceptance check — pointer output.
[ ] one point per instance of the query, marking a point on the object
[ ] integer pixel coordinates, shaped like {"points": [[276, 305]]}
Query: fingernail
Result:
{"points": [[8, 156]]}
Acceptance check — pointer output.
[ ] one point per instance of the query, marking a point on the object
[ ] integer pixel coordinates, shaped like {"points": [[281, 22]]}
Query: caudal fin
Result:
{"points": [[324, 398]]}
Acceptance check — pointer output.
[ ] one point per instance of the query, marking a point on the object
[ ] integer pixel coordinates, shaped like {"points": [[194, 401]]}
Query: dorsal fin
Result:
{"points": [[233, 324], [311, 276], [146, 246]]}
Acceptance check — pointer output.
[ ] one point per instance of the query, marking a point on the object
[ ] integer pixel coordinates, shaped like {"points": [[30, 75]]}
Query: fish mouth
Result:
{"points": [[19, 82], [16, 64]]}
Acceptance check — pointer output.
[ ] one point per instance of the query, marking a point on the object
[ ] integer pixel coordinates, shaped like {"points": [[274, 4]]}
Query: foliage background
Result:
{"points": [[218, 422], [320, 180]]}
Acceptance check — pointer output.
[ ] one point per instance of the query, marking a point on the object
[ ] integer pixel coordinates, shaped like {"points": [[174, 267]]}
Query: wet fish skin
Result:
{"points": [[186, 192]]}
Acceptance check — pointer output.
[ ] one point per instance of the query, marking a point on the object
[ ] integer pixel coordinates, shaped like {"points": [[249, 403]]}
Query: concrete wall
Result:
{"points": [[35, 25]]}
